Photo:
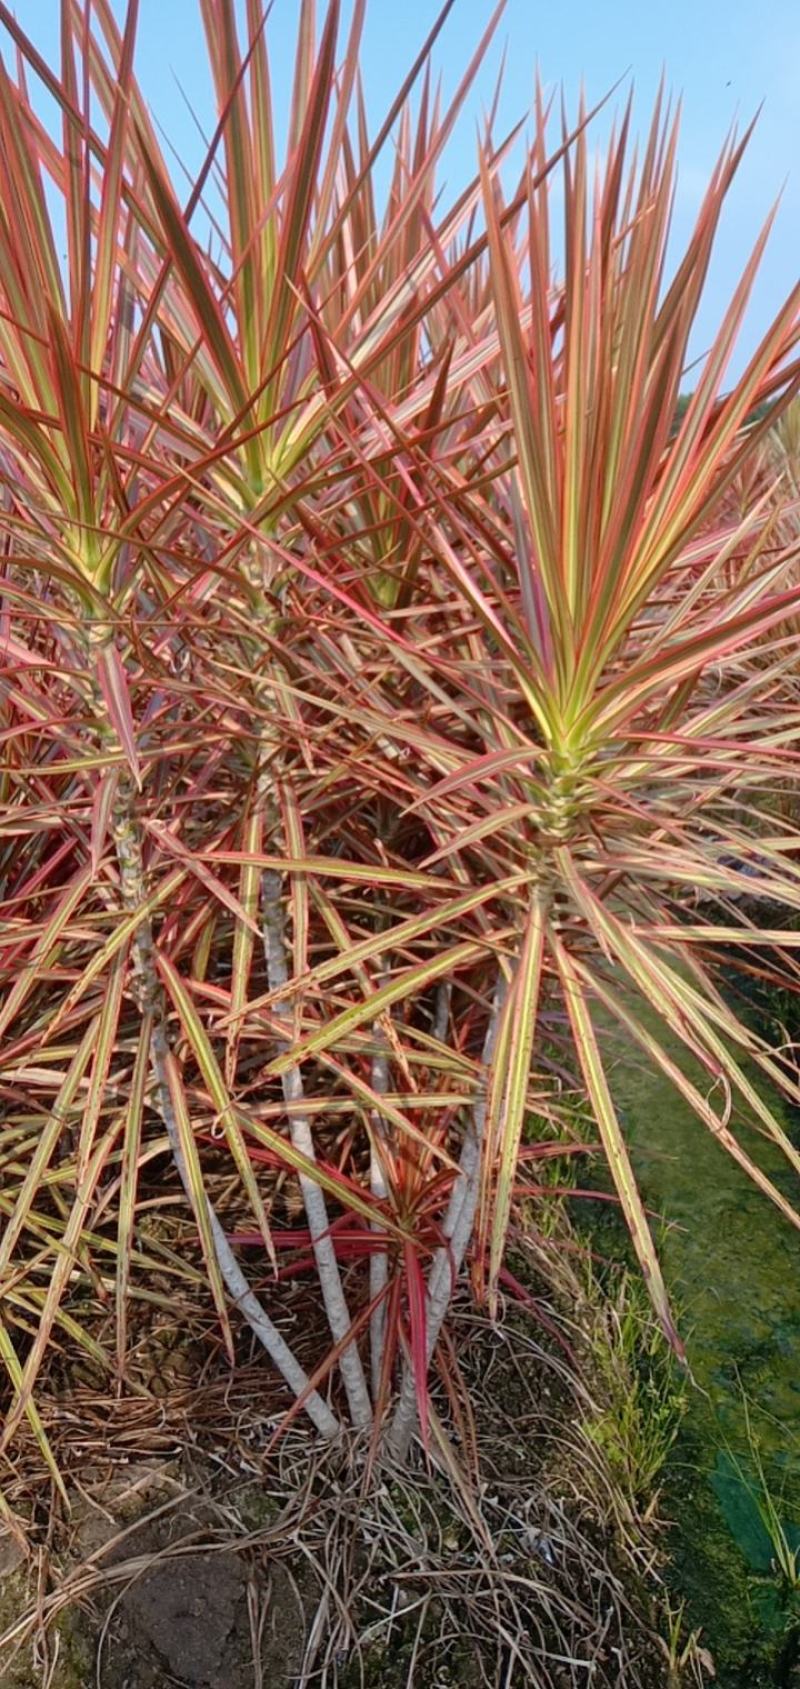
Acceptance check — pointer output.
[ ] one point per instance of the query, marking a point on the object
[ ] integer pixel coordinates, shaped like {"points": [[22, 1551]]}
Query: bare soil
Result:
{"points": [[201, 1621], [196, 1559]]}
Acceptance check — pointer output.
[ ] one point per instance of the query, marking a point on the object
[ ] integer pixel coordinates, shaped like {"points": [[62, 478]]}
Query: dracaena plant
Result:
{"points": [[595, 733], [170, 673], [375, 674], [149, 433], [349, 298], [80, 510], [623, 734]]}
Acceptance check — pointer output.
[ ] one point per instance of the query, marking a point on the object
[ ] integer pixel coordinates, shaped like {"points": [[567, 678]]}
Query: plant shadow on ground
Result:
{"points": [[206, 1561]]}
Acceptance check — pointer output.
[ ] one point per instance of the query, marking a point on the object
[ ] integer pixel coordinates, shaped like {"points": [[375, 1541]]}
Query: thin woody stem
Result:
{"points": [[441, 1013], [313, 1197], [457, 1230], [235, 1282]]}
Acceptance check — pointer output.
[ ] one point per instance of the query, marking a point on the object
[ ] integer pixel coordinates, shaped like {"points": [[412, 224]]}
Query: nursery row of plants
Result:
{"points": [[398, 686]]}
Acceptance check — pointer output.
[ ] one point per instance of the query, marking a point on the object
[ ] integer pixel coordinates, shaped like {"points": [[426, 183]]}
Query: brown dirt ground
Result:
{"points": [[185, 1565]]}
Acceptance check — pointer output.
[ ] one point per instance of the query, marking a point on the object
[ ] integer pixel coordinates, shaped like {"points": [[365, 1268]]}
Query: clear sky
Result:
{"points": [[725, 57]]}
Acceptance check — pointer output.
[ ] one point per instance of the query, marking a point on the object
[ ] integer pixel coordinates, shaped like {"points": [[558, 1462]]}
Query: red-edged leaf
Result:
{"points": [[113, 684], [102, 804]]}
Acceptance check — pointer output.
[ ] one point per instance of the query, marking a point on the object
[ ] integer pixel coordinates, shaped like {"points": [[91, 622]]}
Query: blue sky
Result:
{"points": [[724, 57]]}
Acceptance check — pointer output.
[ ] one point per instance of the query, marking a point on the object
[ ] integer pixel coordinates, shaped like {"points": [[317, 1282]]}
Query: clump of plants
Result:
{"points": [[641, 1396], [375, 693]]}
